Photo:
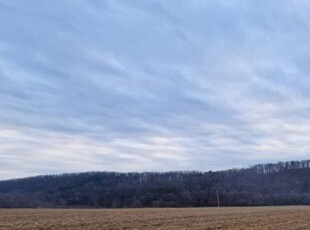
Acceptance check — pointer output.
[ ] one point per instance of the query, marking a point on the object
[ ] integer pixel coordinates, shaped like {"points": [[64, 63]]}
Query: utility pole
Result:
{"points": [[218, 198]]}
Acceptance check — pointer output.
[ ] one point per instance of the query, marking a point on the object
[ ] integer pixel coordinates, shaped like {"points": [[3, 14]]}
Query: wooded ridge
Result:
{"points": [[283, 183]]}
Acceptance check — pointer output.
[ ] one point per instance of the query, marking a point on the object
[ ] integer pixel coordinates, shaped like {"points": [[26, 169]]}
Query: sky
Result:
{"points": [[152, 85]]}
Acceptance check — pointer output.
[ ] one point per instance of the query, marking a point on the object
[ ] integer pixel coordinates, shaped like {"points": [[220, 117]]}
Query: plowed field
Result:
{"points": [[278, 218]]}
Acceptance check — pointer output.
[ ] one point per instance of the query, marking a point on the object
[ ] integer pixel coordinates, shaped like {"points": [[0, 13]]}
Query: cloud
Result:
{"points": [[154, 85]]}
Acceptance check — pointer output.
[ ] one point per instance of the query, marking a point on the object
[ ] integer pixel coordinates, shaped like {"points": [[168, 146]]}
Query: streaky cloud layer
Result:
{"points": [[152, 85]]}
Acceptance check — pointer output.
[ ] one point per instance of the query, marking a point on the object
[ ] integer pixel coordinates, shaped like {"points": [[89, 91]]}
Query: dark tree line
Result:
{"points": [[284, 183]]}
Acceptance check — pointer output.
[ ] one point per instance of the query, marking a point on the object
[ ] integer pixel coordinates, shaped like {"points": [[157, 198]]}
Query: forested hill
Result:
{"points": [[284, 183]]}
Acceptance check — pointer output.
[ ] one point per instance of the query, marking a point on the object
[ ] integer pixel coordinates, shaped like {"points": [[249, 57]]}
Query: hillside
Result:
{"points": [[284, 183]]}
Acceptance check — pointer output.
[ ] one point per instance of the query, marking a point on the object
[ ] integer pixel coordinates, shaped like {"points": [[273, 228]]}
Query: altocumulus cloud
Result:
{"points": [[123, 85]]}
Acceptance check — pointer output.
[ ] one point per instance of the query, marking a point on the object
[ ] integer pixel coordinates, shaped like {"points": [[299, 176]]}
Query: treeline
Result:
{"points": [[284, 183]]}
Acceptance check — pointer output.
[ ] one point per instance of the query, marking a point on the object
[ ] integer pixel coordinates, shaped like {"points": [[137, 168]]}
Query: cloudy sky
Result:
{"points": [[129, 85]]}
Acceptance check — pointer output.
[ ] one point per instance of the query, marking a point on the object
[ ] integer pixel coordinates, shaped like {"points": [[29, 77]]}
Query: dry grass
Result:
{"points": [[186, 218]]}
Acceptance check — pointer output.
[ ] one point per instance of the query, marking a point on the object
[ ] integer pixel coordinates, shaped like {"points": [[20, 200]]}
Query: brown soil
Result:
{"points": [[277, 218]]}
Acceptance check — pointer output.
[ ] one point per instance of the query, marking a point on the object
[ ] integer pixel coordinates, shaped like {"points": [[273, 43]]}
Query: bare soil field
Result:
{"points": [[279, 218]]}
